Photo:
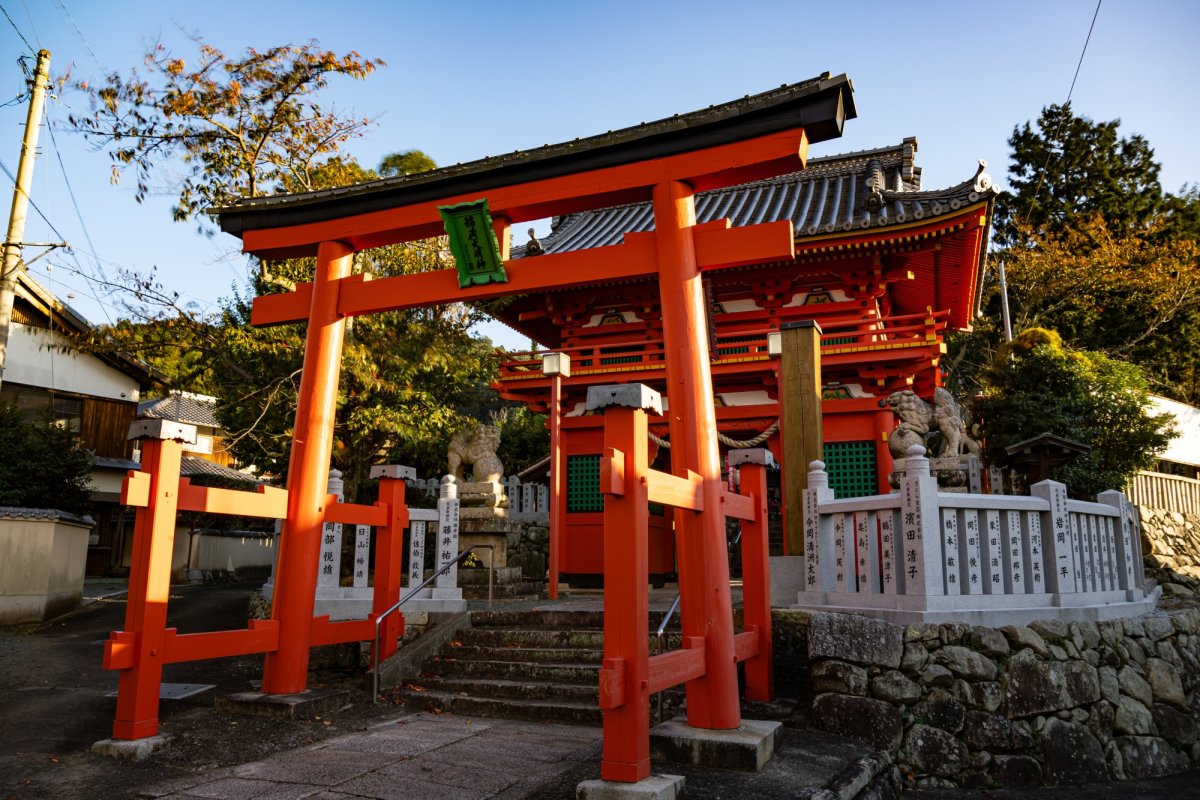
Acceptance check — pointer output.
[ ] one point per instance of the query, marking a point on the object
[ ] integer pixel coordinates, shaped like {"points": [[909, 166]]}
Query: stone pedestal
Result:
{"points": [[483, 519]]}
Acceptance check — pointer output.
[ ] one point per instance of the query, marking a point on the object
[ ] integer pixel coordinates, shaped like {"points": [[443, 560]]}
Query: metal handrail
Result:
{"points": [[412, 593], [659, 636]]}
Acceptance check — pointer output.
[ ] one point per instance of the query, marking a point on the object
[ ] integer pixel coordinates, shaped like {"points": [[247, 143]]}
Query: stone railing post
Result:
{"points": [[1059, 547], [329, 572], [922, 564], [447, 536], [819, 565], [1128, 556]]}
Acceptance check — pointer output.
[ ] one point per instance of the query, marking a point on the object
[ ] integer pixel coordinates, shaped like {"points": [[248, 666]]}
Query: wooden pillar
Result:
{"points": [[389, 546], [756, 572], [557, 366], [625, 670], [286, 670], [149, 579], [705, 603], [800, 406]]}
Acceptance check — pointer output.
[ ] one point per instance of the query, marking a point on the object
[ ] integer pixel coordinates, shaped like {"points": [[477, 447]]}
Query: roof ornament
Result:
{"points": [[875, 185], [534, 247], [983, 181]]}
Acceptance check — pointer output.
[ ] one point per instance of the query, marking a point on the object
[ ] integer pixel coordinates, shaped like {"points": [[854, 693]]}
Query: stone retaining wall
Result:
{"points": [[529, 548], [1172, 539], [1049, 703]]}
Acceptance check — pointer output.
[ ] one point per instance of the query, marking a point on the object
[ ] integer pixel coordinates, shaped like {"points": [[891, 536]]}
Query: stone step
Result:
{"points": [[507, 689], [548, 637], [579, 620], [522, 671], [533, 655], [570, 713]]}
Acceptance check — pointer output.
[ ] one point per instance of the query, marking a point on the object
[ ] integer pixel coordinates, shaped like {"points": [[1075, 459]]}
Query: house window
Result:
{"points": [[38, 405]]}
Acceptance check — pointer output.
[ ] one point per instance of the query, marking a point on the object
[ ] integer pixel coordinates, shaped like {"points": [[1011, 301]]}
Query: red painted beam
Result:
{"points": [[354, 630], [267, 501], [356, 514], [745, 645], [738, 506], [612, 683], [261, 637], [678, 666], [715, 167], [671, 490]]}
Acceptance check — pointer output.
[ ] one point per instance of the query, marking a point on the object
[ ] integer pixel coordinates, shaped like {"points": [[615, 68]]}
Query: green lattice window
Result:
{"points": [[851, 468], [730, 345], [633, 359], [840, 340], [583, 484]]}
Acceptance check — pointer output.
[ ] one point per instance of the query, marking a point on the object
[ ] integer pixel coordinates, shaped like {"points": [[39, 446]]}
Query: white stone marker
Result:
{"points": [[362, 555], [330, 569], [447, 537]]}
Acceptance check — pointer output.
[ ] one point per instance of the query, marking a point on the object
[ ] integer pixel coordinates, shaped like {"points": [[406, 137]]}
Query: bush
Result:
{"points": [[43, 465], [1036, 386]]}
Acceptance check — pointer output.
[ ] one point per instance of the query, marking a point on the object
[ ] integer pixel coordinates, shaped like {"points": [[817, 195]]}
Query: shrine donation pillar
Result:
{"points": [[286, 669], [705, 602]]}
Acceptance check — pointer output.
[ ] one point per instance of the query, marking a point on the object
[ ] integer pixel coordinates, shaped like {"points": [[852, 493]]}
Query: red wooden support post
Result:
{"points": [[557, 366], [389, 545], [149, 580], [756, 575], [625, 671], [285, 671], [705, 602]]}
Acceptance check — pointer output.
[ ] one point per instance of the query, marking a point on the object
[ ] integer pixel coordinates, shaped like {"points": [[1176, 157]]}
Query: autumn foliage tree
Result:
{"points": [[239, 127]]}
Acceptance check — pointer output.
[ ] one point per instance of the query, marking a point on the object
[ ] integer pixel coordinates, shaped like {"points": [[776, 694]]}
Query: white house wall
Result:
{"points": [[31, 363]]}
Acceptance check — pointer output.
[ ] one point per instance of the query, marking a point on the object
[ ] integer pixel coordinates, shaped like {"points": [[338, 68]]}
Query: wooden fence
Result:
{"points": [[1160, 491]]}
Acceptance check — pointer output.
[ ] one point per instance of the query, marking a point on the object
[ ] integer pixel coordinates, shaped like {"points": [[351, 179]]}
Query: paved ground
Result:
{"points": [[53, 705]]}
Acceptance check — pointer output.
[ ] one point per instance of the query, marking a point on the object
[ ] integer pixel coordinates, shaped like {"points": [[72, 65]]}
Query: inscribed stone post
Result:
{"points": [[362, 554], [974, 553], [1060, 556], [1127, 558], [447, 536], [993, 559], [818, 548], [923, 567], [416, 553], [330, 571]]}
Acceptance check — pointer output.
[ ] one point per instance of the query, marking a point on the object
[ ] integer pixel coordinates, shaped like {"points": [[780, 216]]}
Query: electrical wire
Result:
{"points": [[74, 202], [1042, 173], [78, 33], [18, 30]]}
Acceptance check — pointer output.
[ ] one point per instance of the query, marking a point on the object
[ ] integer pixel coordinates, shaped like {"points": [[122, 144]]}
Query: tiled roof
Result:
{"points": [[821, 105], [191, 467], [194, 409], [108, 462], [16, 512], [853, 191]]}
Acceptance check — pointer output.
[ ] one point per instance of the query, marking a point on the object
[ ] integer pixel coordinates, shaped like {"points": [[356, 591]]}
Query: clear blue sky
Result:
{"points": [[470, 79]]}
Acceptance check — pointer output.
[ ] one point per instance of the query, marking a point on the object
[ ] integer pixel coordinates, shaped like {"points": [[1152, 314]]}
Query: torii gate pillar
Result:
{"points": [[705, 602]]}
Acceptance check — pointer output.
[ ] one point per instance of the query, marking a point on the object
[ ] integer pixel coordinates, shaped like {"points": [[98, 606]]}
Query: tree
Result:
{"points": [[407, 162], [1037, 385], [239, 127], [43, 465], [1071, 168]]}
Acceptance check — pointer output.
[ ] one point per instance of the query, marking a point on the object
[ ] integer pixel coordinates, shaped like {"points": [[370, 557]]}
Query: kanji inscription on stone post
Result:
{"points": [[416, 553], [447, 533], [362, 555], [950, 548], [1015, 554]]}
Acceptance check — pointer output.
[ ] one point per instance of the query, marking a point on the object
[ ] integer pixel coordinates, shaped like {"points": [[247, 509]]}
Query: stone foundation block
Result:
{"points": [[302, 705], [656, 787], [746, 748], [131, 749]]}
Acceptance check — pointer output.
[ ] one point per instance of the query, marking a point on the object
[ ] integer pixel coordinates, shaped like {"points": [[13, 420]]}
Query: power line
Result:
{"points": [[71, 21], [71, 193], [1050, 151], [15, 28]]}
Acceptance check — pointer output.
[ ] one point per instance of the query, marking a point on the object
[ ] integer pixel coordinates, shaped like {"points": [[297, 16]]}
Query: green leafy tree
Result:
{"points": [[406, 162], [43, 465], [1069, 168], [1037, 385], [239, 127]]}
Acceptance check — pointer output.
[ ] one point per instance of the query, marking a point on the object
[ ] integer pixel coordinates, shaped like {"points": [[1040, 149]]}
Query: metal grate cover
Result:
{"points": [[851, 468], [583, 484]]}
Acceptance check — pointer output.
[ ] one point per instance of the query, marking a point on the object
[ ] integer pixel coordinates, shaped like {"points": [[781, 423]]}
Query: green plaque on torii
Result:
{"points": [[473, 243]]}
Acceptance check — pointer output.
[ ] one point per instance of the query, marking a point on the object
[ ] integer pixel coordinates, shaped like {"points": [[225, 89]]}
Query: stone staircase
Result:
{"points": [[535, 665]]}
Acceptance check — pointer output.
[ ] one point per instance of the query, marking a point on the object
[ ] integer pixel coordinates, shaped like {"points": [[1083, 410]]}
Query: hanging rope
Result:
{"points": [[728, 442]]}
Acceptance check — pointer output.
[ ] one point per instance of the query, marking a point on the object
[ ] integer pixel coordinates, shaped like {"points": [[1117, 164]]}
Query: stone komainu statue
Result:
{"points": [[939, 428], [476, 447]]}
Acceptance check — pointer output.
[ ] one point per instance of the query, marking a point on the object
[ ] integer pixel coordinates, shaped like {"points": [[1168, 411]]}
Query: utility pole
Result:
{"points": [[20, 203]]}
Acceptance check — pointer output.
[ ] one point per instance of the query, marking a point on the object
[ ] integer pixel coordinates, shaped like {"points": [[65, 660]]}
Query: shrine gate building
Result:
{"points": [[883, 266]]}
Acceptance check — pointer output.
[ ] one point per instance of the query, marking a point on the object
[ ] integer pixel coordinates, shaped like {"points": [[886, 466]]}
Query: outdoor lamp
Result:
{"points": [[556, 364], [774, 343]]}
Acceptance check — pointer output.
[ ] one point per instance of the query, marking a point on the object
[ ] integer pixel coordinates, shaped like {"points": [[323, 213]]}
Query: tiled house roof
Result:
{"points": [[193, 409], [840, 193]]}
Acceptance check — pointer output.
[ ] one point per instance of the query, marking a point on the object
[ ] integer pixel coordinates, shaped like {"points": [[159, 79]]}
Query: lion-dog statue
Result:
{"points": [[476, 447]]}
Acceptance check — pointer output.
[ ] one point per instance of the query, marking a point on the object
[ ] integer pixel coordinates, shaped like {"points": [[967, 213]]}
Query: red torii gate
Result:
{"points": [[667, 162]]}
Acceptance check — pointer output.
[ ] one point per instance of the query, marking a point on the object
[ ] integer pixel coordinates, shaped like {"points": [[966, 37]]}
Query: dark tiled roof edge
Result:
{"points": [[18, 512]]}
